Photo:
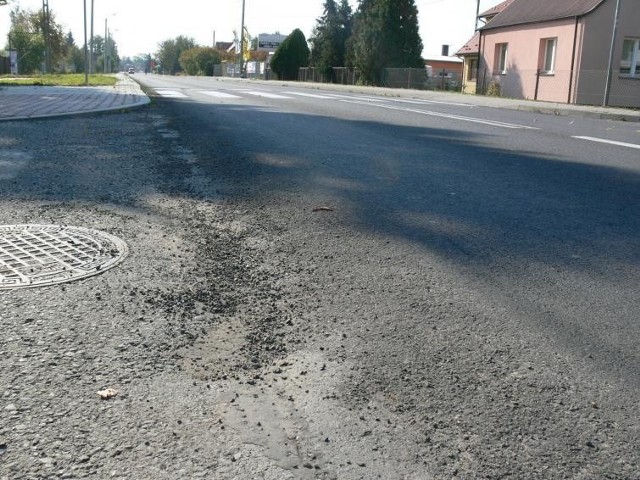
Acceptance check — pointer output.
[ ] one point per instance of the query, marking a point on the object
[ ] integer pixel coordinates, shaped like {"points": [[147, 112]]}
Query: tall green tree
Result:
{"points": [[386, 35], [169, 52], [330, 35], [292, 54], [74, 58]]}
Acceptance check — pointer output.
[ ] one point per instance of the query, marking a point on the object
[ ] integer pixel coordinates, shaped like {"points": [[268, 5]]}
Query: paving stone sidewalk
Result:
{"points": [[19, 103]]}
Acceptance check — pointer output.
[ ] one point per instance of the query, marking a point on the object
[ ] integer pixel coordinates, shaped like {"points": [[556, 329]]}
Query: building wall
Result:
{"points": [[593, 69], [524, 58], [438, 65]]}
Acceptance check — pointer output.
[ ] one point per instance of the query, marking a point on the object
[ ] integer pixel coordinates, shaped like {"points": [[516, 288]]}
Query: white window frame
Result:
{"points": [[634, 67], [502, 50], [549, 61]]}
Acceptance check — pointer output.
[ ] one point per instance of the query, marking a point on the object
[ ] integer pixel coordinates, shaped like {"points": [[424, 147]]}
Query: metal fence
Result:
{"points": [[584, 87], [421, 79], [340, 75], [412, 78]]}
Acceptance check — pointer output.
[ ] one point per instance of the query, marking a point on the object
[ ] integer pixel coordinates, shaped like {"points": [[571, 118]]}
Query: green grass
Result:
{"points": [[64, 80]]}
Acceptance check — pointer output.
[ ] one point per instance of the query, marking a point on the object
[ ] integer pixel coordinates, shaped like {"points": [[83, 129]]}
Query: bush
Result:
{"points": [[290, 56], [200, 60]]}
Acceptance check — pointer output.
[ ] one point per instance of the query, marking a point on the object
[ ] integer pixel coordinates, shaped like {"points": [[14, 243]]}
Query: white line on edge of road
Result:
{"points": [[493, 123], [610, 142]]}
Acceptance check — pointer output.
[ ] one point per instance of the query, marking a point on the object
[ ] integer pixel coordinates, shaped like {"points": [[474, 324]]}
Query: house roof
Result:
{"points": [[471, 47], [442, 58], [493, 11], [525, 11]]}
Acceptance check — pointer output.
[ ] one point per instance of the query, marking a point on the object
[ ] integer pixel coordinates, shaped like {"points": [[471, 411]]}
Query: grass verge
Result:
{"points": [[61, 80]]}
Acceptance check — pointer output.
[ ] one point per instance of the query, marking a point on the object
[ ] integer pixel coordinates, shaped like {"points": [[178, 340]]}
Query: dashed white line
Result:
{"points": [[267, 95], [310, 95], [218, 94], [610, 142], [170, 93]]}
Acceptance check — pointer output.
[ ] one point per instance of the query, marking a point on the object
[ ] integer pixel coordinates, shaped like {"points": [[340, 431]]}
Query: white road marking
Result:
{"points": [[310, 95], [170, 93], [358, 97], [493, 123], [218, 94], [435, 102], [610, 142], [267, 95]]}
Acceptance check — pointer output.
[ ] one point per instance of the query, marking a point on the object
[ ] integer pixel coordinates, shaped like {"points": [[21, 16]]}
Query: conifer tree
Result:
{"points": [[292, 54], [330, 36], [386, 35]]}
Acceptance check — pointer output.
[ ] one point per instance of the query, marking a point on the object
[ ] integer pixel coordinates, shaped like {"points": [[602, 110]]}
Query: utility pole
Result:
{"points": [[614, 35], [86, 55], [106, 45], [47, 37], [477, 14], [242, 43], [92, 61]]}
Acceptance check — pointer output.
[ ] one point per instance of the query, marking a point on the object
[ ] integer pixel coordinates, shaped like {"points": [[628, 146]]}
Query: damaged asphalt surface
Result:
{"points": [[254, 335]]}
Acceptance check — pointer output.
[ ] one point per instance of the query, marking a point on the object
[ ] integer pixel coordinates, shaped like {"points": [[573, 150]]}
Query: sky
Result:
{"points": [[138, 26]]}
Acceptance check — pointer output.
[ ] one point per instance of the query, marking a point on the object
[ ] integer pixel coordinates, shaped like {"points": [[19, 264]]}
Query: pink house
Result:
{"points": [[569, 51]]}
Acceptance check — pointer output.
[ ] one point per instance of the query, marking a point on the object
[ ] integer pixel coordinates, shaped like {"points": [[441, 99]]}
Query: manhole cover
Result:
{"points": [[42, 255]]}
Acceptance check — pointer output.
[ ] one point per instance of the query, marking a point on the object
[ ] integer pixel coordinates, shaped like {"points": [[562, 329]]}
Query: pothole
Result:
{"points": [[42, 255]]}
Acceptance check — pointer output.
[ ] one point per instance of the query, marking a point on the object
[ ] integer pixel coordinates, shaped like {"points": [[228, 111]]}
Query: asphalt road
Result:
{"points": [[327, 284]]}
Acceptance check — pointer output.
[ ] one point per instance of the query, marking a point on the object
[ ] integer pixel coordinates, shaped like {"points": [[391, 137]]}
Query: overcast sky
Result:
{"points": [[139, 25]]}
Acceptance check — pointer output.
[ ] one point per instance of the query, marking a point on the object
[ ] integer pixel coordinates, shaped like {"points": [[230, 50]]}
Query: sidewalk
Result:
{"points": [[20, 103]]}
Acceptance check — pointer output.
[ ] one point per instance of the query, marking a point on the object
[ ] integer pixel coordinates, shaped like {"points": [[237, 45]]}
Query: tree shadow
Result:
{"points": [[490, 211]]}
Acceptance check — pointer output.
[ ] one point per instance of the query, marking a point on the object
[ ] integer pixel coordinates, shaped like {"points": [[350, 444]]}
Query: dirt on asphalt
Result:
{"points": [[267, 340]]}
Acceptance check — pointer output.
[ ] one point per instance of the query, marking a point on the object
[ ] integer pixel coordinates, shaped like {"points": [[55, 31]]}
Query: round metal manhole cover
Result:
{"points": [[43, 255]]}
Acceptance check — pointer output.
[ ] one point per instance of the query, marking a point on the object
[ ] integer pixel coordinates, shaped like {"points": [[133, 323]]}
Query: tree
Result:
{"points": [[290, 56], [200, 60], [330, 35], [386, 35], [169, 52], [26, 35], [74, 58]]}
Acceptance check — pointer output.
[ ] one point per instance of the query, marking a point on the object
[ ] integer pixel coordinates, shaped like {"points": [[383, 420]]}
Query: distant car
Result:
{"points": [[132, 70]]}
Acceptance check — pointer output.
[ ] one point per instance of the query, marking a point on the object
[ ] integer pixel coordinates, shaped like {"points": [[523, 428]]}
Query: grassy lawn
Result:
{"points": [[65, 80]]}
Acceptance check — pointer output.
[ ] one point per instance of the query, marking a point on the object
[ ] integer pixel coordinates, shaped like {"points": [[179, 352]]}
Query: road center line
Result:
{"points": [[493, 123], [610, 142]]}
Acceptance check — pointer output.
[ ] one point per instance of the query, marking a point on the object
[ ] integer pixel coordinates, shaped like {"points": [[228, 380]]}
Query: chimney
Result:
{"points": [[445, 50]]}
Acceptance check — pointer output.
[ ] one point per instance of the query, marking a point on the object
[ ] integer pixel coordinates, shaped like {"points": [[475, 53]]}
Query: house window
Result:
{"points": [[548, 50], [630, 62], [501, 58]]}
